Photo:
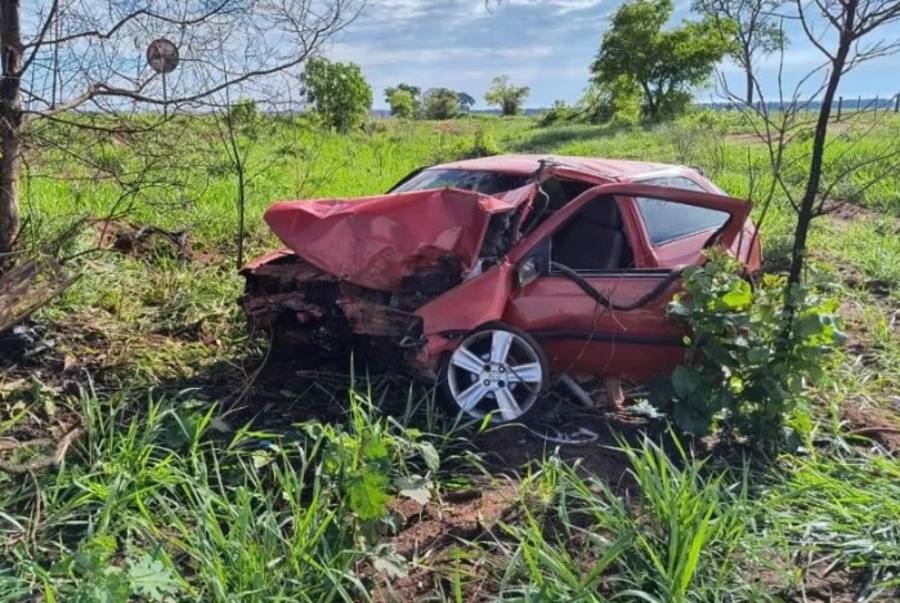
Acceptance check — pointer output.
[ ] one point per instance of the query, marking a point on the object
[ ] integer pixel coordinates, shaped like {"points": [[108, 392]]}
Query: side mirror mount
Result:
{"points": [[526, 272]]}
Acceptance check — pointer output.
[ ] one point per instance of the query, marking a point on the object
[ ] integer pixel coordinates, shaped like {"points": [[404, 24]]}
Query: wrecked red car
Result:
{"points": [[492, 277]]}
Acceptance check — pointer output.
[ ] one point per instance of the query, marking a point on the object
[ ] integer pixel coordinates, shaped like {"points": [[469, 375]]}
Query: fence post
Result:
{"points": [[897, 104], [841, 106], [876, 105]]}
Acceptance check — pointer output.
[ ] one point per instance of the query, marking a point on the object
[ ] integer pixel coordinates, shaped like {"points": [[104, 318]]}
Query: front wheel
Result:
{"points": [[498, 370]]}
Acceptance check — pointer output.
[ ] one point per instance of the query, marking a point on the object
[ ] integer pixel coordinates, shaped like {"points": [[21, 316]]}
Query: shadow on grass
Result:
{"points": [[273, 396]]}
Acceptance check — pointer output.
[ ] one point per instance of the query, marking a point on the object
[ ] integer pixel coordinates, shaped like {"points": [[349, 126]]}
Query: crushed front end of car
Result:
{"points": [[356, 272]]}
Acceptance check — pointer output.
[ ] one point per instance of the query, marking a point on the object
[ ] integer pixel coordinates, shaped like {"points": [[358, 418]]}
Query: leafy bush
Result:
{"points": [[244, 111], [617, 102], [699, 140], [559, 112], [482, 144], [440, 104], [738, 375]]}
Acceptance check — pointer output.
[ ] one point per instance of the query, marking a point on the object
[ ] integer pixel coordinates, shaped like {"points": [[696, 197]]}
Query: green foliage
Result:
{"points": [[466, 101], [698, 139], [559, 112], [414, 91], [244, 112], [617, 102], [738, 373], [403, 104], [664, 64], [404, 100], [440, 103], [365, 461], [677, 542], [507, 96], [339, 93], [481, 144]]}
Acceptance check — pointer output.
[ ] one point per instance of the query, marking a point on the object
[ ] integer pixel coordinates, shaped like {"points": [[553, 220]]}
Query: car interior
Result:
{"points": [[594, 239]]}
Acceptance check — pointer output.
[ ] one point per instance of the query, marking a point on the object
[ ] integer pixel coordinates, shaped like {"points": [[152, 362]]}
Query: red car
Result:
{"points": [[494, 276]]}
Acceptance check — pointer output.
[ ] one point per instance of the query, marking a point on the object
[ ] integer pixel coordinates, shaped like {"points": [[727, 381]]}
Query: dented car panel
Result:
{"points": [[407, 275], [377, 241]]}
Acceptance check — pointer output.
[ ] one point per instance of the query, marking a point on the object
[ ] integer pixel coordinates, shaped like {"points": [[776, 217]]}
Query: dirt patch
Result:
{"points": [[845, 212], [747, 138], [429, 532], [143, 241], [881, 425]]}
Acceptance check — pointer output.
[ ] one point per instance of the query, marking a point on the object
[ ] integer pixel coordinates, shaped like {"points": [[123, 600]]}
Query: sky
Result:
{"points": [[545, 44]]}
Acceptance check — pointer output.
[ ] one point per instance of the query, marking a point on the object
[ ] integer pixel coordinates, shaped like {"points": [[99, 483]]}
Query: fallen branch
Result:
{"points": [[41, 461], [27, 287]]}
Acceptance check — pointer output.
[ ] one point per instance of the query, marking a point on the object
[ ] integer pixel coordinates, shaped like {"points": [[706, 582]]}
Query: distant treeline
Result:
{"points": [[855, 103]]}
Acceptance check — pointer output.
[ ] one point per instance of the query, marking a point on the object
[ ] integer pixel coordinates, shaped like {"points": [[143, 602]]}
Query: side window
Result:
{"points": [[593, 239], [669, 221]]}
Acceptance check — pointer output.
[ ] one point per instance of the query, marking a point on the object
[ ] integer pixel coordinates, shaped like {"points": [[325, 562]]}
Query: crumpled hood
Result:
{"points": [[377, 241]]}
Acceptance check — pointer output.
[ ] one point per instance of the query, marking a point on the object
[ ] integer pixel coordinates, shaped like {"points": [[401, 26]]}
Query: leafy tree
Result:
{"points": [[440, 103], [402, 104], [758, 30], [617, 101], [466, 102], [665, 65], [414, 91], [506, 96], [339, 93]]}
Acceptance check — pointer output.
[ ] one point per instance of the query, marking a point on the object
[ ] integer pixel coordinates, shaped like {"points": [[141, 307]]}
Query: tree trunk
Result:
{"points": [[652, 107], [810, 194], [10, 122], [750, 89]]}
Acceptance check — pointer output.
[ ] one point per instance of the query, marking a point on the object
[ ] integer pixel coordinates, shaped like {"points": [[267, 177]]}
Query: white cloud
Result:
{"points": [[374, 55]]}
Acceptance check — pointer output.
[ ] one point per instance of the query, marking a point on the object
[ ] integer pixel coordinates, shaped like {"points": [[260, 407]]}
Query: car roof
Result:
{"points": [[528, 164]]}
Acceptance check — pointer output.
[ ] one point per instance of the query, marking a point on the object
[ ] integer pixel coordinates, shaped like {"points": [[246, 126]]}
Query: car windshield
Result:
{"points": [[487, 183]]}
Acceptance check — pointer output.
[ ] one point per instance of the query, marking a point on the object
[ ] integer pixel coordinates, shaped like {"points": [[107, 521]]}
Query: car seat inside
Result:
{"points": [[594, 239]]}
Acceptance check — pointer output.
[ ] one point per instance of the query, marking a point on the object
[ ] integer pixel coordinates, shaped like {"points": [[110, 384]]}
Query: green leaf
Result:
{"points": [[691, 420], [368, 494], [415, 487], [430, 456], [739, 297], [685, 381], [151, 579], [758, 355], [374, 448]]}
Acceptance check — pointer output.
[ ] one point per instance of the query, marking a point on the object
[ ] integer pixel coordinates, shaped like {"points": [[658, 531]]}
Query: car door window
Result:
{"points": [[594, 239], [667, 221]]}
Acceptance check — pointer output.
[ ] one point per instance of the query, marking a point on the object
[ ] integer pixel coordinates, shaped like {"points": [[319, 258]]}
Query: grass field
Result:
{"points": [[207, 473]]}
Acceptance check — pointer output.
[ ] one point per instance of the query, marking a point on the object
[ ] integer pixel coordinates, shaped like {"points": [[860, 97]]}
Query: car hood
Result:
{"points": [[378, 241]]}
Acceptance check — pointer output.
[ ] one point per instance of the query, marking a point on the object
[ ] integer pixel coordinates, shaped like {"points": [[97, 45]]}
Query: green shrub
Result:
{"points": [[482, 144], [738, 375], [559, 112]]}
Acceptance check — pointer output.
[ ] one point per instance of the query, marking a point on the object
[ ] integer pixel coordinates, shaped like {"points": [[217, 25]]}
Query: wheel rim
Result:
{"points": [[495, 371]]}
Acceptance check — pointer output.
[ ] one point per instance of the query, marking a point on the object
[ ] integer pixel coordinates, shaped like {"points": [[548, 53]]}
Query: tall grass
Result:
{"points": [[159, 499], [164, 499], [677, 540]]}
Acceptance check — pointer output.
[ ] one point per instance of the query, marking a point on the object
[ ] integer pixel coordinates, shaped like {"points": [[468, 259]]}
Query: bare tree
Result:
{"points": [[64, 59], [755, 26], [847, 33]]}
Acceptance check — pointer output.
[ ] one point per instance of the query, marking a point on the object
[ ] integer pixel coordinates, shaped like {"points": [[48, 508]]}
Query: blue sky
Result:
{"points": [[545, 44]]}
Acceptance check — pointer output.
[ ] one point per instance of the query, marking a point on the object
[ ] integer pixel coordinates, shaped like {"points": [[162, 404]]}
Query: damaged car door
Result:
{"points": [[591, 289]]}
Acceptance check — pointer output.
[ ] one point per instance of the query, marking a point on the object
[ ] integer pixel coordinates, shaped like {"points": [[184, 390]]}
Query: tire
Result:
{"points": [[472, 382]]}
